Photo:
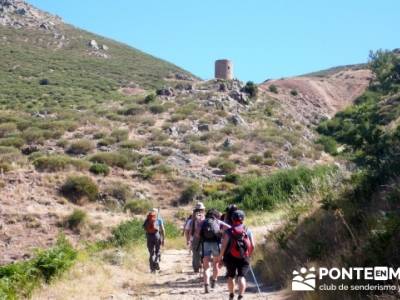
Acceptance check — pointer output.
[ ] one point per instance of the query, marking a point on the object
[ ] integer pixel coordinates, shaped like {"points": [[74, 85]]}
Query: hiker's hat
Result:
{"points": [[238, 215], [199, 206]]}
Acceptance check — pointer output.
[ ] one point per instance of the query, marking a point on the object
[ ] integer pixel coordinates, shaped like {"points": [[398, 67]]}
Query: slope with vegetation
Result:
{"points": [[357, 223]]}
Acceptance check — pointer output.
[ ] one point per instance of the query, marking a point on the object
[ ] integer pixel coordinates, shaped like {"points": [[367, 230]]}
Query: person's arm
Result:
{"points": [[252, 241], [224, 245], [224, 225], [187, 231]]}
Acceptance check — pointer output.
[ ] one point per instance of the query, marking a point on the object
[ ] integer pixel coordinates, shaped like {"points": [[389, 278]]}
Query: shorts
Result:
{"points": [[210, 249], [236, 266]]}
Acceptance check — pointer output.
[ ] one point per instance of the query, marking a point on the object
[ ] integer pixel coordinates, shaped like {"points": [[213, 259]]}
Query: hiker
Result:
{"points": [[228, 213], [210, 237], [155, 234], [193, 239], [237, 247]]}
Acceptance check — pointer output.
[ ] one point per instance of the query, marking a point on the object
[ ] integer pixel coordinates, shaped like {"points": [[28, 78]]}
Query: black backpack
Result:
{"points": [[210, 230]]}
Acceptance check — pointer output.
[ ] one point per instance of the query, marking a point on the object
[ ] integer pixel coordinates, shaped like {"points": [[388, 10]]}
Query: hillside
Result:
{"points": [[320, 95], [52, 63]]}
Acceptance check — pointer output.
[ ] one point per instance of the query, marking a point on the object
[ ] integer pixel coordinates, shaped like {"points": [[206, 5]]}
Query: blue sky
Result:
{"points": [[265, 39]]}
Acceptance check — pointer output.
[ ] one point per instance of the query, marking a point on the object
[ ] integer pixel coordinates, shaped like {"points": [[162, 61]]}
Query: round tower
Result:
{"points": [[224, 69]]}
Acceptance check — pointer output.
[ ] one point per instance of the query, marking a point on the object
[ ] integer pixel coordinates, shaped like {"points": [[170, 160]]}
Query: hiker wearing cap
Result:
{"points": [[155, 234], [237, 247], [210, 237], [192, 237], [228, 213]]}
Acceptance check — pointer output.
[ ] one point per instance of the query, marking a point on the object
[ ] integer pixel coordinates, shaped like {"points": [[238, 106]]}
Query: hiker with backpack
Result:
{"points": [[155, 234], [228, 213], [192, 237], [236, 250], [210, 238]]}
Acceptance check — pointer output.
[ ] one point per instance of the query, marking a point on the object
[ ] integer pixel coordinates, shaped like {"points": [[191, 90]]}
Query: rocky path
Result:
{"points": [[177, 281]]}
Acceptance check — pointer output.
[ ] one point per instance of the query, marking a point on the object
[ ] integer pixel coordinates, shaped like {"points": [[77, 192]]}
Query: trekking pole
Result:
{"points": [[255, 280]]}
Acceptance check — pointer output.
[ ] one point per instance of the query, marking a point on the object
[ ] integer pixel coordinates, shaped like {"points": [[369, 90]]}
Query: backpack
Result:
{"points": [[240, 244], [151, 225], [210, 230]]}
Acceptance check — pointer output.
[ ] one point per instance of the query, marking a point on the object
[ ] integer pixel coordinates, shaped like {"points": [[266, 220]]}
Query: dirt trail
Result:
{"points": [[177, 281]]}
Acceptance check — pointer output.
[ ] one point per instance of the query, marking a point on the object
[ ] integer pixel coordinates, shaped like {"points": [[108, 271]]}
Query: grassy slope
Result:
{"points": [[28, 55]]}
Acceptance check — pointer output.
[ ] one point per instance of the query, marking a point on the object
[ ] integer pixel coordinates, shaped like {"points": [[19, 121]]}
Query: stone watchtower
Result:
{"points": [[223, 69]]}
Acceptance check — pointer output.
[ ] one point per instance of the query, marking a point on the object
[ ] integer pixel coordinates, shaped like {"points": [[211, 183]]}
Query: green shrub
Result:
{"points": [[113, 159], [12, 142], [190, 193], [107, 141], [273, 89], [255, 159], [18, 280], [227, 166], [150, 98], [129, 144], [132, 110], [80, 147], [99, 169], [120, 134], [157, 108], [56, 163], [76, 188], [128, 232], [251, 88], [293, 93], [99, 135], [76, 219], [33, 135], [7, 129], [119, 190], [329, 143], [150, 160], [198, 148], [139, 206], [232, 178]]}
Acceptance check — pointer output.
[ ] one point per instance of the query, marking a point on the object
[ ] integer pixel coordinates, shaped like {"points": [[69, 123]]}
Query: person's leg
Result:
{"points": [[157, 253], [231, 287], [206, 272], [151, 248], [242, 285], [230, 272], [196, 252], [215, 268]]}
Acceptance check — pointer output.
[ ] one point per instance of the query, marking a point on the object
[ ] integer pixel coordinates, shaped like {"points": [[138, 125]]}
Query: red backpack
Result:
{"points": [[151, 223], [240, 243]]}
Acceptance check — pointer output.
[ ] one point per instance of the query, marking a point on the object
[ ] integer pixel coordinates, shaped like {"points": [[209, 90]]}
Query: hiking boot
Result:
{"points": [[240, 297], [231, 296], [213, 281], [157, 266], [206, 291]]}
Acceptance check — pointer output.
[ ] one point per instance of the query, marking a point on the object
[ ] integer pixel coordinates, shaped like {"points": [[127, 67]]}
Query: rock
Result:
{"points": [[237, 120], [203, 127], [169, 92], [222, 87], [104, 47], [172, 131], [288, 146], [227, 143], [239, 97], [93, 44], [181, 76]]}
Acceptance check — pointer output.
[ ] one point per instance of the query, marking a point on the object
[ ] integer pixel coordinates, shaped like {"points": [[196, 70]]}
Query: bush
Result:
{"points": [[128, 232], [7, 129], [119, 190], [293, 93], [76, 219], [56, 163], [227, 166], [12, 142], [190, 193], [129, 144], [330, 145], [255, 159], [150, 98], [157, 108], [198, 148], [99, 169], [273, 89], [80, 147], [251, 88], [139, 206], [113, 159], [120, 134], [18, 280], [44, 81], [76, 188]]}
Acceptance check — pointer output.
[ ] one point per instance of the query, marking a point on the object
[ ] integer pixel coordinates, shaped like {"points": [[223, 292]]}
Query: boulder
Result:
{"points": [[203, 127], [104, 47], [93, 44], [228, 143], [237, 120], [240, 97], [169, 92]]}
